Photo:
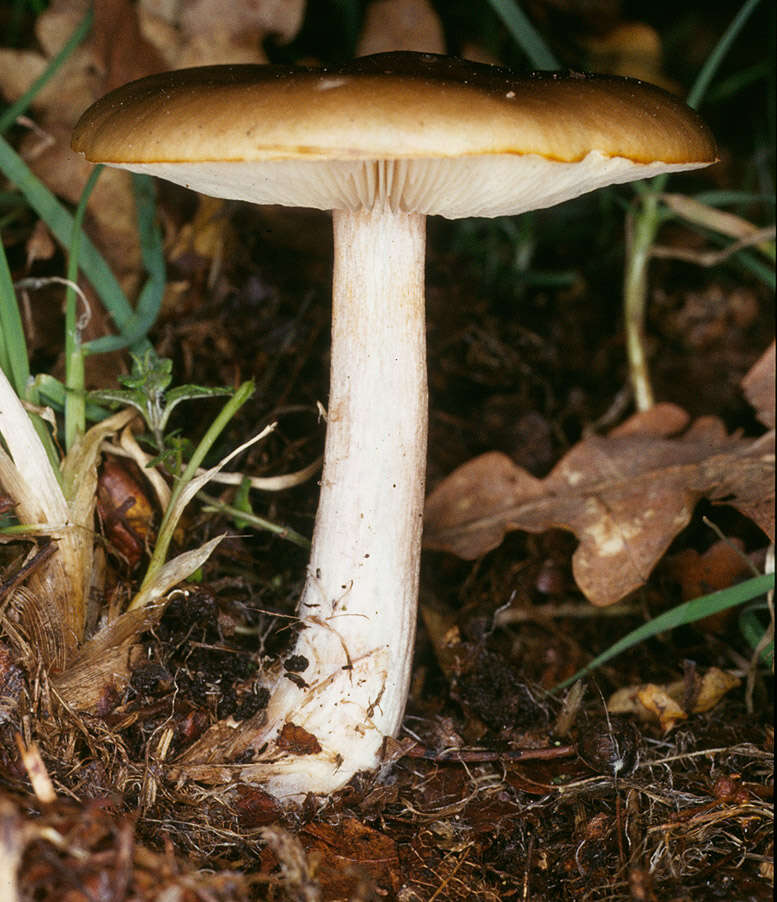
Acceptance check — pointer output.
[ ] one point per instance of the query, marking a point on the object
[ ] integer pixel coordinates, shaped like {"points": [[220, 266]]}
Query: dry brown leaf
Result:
{"points": [[671, 703], [119, 46], [472, 50], [111, 213], [630, 48], [758, 386], [722, 565], [18, 70], [56, 24], [346, 852], [67, 93], [279, 17], [40, 245], [661, 419], [445, 637], [127, 41], [658, 702], [208, 235], [211, 48], [209, 32], [401, 25], [714, 685], [114, 52], [625, 497], [297, 740]]}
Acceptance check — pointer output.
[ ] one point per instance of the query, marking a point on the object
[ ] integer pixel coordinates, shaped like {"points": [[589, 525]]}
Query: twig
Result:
{"points": [[713, 258], [470, 756], [504, 617]]}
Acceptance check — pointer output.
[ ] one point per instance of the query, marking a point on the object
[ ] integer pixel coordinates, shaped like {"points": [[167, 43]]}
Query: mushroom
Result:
{"points": [[382, 141]]}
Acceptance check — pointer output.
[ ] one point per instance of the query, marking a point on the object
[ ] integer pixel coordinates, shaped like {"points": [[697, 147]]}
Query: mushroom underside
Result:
{"points": [[478, 185]]}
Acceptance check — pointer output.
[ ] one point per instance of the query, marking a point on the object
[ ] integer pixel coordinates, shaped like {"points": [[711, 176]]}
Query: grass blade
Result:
{"points": [[13, 345], [679, 616], [152, 254], [525, 34], [60, 222], [75, 397], [713, 61]]}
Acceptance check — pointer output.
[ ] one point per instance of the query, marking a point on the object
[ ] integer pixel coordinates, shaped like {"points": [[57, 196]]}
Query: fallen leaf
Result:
{"points": [[127, 41], [633, 49], [714, 685], [401, 25], [40, 245], [74, 86], [722, 565], [297, 741], [114, 52], [758, 386], [625, 496], [211, 32], [94, 65], [111, 212], [208, 236], [18, 70], [672, 703], [346, 852], [657, 701], [445, 637], [119, 45], [255, 808], [279, 17], [125, 511], [661, 419]]}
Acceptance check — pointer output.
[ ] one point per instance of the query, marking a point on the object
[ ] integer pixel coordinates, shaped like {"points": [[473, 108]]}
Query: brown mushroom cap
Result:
{"points": [[413, 131]]}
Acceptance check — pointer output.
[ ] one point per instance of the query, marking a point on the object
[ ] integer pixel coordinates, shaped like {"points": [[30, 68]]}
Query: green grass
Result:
{"points": [[684, 614]]}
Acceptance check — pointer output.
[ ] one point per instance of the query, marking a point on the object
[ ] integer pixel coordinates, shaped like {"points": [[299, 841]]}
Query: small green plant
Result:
{"points": [[147, 389]]}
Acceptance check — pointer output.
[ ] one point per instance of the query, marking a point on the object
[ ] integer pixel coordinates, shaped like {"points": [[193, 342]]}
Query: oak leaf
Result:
{"points": [[625, 496], [758, 386]]}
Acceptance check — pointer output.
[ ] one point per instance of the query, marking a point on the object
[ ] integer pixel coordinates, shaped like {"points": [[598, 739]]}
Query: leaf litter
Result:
{"points": [[625, 496]]}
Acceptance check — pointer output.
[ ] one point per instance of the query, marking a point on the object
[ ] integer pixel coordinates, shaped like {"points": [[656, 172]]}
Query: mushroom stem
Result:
{"points": [[358, 606]]}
